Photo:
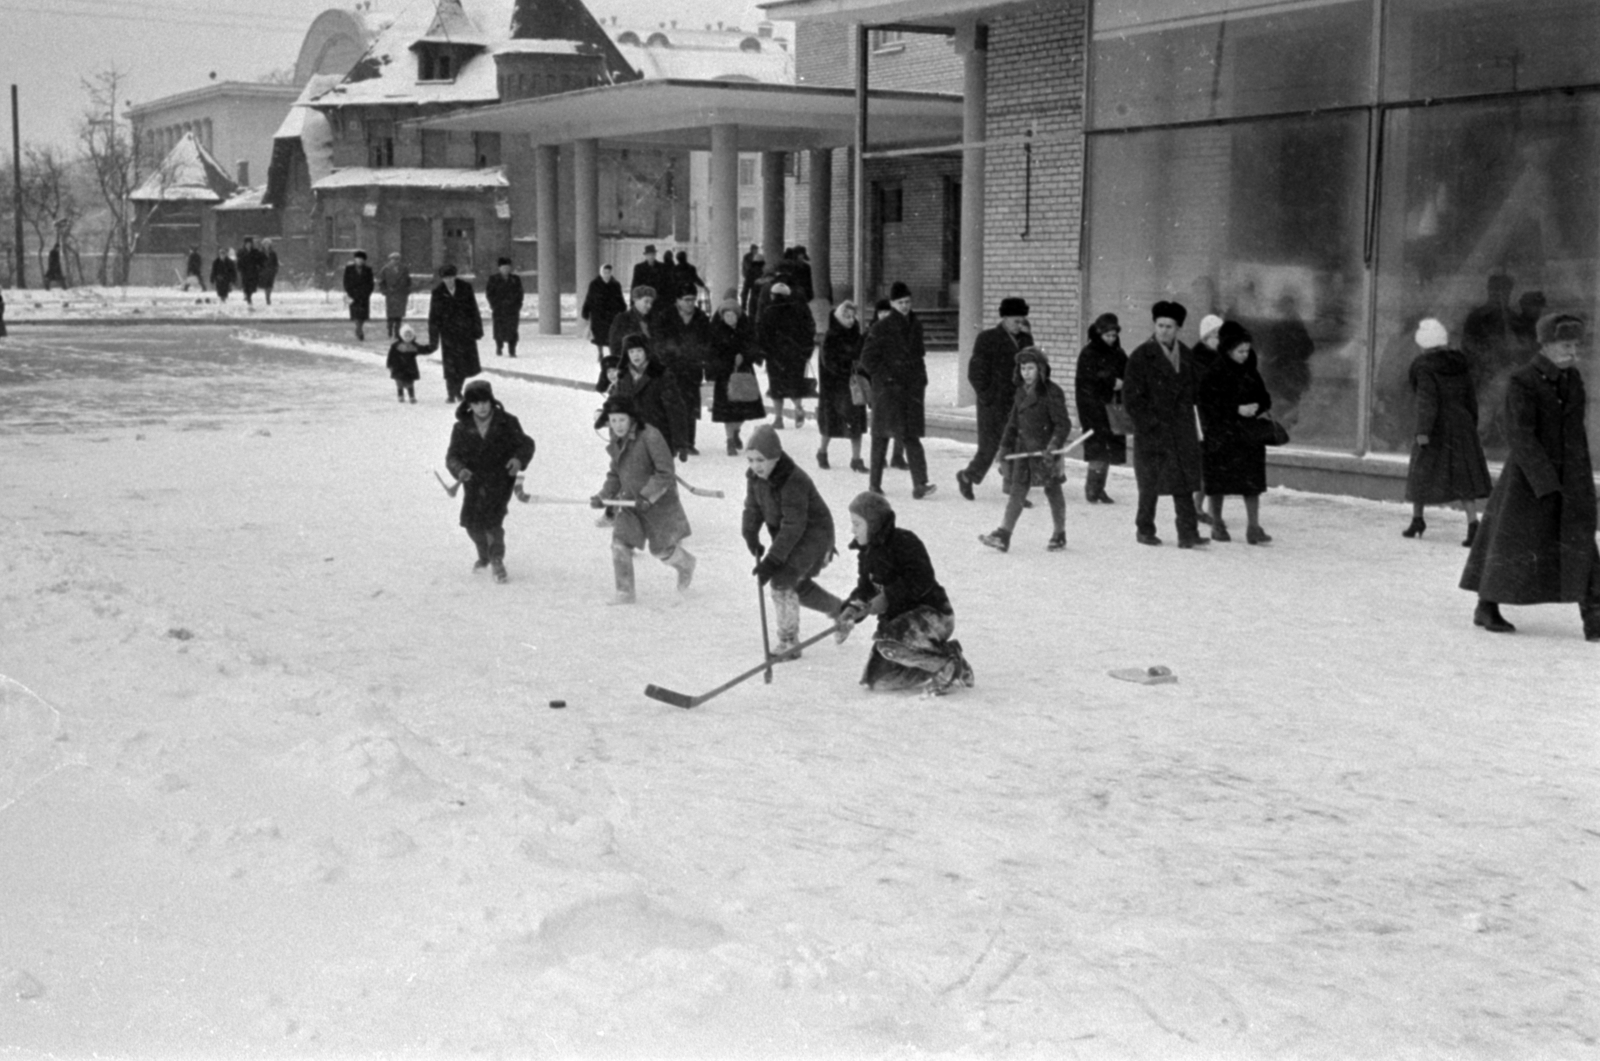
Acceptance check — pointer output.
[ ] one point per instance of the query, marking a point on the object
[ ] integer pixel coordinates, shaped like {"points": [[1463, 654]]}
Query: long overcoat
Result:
{"points": [[269, 268], [251, 261], [681, 346], [729, 343], [1234, 463], [629, 322], [456, 324], [992, 373], [837, 414], [1536, 544], [1038, 421], [1451, 467], [787, 333], [359, 283], [1161, 400], [658, 399], [641, 466], [797, 520], [394, 281], [601, 305], [1094, 386], [485, 496], [894, 358]]}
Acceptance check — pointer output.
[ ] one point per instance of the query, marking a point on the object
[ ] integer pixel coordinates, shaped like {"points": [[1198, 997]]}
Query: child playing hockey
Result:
{"points": [[403, 354], [1038, 424], [642, 472], [487, 451]]}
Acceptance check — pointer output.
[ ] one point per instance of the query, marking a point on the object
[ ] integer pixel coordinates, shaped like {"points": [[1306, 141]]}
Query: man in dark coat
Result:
{"points": [[894, 359], [269, 270], [991, 371], [651, 273], [1097, 383], [787, 334], [601, 304], [504, 295], [682, 342], [635, 320], [250, 262], [488, 450], [782, 498], [1159, 394], [191, 270], [455, 325], [1536, 544], [753, 265], [53, 273], [359, 283], [224, 274]]}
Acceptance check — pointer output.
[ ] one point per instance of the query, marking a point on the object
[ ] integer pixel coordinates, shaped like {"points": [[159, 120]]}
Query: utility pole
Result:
{"points": [[16, 189]]}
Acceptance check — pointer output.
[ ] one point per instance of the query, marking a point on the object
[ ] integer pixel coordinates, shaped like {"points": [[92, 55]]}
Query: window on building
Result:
{"points": [[460, 243], [889, 202], [486, 149], [434, 63], [747, 172], [380, 142], [887, 40], [747, 224]]}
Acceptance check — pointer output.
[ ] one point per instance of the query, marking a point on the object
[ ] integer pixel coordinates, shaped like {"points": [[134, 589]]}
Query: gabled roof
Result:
{"points": [[452, 26], [188, 173], [569, 20]]}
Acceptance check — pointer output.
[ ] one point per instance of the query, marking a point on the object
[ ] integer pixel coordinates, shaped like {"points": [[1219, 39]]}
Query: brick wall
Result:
{"points": [[825, 55]]}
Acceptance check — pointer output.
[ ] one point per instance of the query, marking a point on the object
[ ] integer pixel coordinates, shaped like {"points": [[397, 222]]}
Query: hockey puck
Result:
{"points": [[558, 703]]}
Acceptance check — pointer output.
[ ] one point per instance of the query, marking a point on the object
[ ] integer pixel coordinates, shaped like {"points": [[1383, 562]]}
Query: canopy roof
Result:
{"points": [[876, 12], [679, 114]]}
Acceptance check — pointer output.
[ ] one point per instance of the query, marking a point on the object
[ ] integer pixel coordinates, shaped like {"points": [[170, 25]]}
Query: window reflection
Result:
{"points": [[1441, 48]]}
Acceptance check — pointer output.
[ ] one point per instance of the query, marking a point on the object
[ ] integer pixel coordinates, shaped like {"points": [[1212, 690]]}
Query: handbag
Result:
{"points": [[743, 387], [1266, 431], [1121, 422], [858, 390]]}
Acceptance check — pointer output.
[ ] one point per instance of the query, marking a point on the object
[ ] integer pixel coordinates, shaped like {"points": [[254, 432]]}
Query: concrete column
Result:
{"points": [[586, 208], [819, 231], [723, 269], [547, 228], [772, 206], [973, 43]]}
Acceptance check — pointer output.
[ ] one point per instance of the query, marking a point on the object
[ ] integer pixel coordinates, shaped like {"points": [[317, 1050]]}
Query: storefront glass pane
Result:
{"points": [[1159, 61], [1259, 222], [1442, 48], [1491, 213]]}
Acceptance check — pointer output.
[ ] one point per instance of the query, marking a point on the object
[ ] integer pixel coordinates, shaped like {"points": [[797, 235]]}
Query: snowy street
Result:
{"points": [[278, 776]]}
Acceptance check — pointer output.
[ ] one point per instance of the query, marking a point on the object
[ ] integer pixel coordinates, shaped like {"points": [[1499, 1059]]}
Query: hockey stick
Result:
{"points": [[667, 696], [766, 640], [697, 491], [449, 488], [545, 499], [1068, 448]]}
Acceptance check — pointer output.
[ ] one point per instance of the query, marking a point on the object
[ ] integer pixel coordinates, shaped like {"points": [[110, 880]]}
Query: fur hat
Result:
{"points": [[1173, 311], [1013, 307], [1032, 355], [898, 290], [408, 333], [1559, 327], [632, 341], [882, 306], [874, 508], [1231, 335], [1209, 323], [477, 391], [643, 291], [621, 403], [1430, 334], [764, 440], [1106, 322], [611, 361]]}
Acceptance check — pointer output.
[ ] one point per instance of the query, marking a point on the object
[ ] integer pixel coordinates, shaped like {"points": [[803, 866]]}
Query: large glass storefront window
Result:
{"points": [[1260, 222], [1435, 49]]}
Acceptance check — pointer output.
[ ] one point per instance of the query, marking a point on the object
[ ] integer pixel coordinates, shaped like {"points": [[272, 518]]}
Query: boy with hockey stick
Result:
{"points": [[912, 645], [1038, 424], [641, 471], [782, 497], [487, 451]]}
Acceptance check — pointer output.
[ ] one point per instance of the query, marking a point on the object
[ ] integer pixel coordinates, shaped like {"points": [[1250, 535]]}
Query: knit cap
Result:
{"points": [[764, 440], [1209, 323]]}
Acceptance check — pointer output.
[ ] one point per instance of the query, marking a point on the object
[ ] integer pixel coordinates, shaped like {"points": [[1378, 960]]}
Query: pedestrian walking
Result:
{"points": [[1233, 401], [1038, 424], [780, 497], [455, 324], [402, 363], [752, 266], [1536, 544], [1205, 356], [642, 472], [359, 283], [250, 263], [1097, 383], [912, 646], [787, 333], [1159, 395], [992, 372], [224, 274], [651, 273], [1447, 463], [488, 450], [192, 270], [655, 395], [731, 362], [635, 320], [894, 358], [53, 273], [269, 270], [681, 340], [504, 294], [394, 283], [601, 305], [841, 391]]}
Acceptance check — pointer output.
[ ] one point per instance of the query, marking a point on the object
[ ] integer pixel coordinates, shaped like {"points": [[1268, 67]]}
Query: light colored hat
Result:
{"points": [[1430, 333], [407, 332], [1209, 323]]}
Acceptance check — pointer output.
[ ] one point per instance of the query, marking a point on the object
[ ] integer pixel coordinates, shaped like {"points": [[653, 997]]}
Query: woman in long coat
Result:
{"points": [[787, 333], [641, 472], [1447, 463], [649, 386], [1536, 545], [455, 324], [895, 359], [1038, 423], [224, 274], [782, 498], [733, 349], [838, 416], [487, 450], [1097, 383], [394, 282], [1231, 396]]}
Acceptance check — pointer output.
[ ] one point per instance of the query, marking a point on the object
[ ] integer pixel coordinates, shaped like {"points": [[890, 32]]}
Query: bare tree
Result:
{"points": [[50, 204], [113, 157]]}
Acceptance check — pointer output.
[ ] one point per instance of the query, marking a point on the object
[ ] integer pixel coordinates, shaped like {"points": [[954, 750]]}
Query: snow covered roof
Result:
{"points": [[412, 177], [539, 47], [248, 199], [695, 64], [188, 173], [451, 25]]}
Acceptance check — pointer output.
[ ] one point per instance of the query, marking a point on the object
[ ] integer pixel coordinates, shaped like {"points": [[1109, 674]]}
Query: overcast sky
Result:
{"points": [[165, 46]]}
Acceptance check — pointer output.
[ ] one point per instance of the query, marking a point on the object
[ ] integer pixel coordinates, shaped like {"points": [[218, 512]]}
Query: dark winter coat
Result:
{"points": [[2, 315], [992, 370], [193, 265], [1536, 544], [456, 324], [1161, 401], [655, 275], [269, 268], [394, 281], [629, 322], [895, 563], [359, 283], [402, 363], [505, 296], [1234, 463], [1038, 421], [486, 494], [682, 345], [787, 333], [894, 358], [796, 518], [223, 275], [659, 400], [729, 343], [601, 306], [1100, 366], [641, 467], [1451, 467], [250, 263], [837, 414]]}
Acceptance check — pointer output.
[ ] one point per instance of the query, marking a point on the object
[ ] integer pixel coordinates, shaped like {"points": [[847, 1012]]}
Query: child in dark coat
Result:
{"points": [[1038, 424], [402, 364], [912, 645], [488, 450]]}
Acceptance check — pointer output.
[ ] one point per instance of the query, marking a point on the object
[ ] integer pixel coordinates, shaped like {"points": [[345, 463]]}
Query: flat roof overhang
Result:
{"points": [[678, 115], [945, 14]]}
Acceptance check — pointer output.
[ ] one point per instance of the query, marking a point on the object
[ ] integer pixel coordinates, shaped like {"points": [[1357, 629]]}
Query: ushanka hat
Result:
{"points": [[1559, 328], [1173, 311], [478, 391], [874, 508], [1232, 334], [1013, 307], [643, 291], [621, 403]]}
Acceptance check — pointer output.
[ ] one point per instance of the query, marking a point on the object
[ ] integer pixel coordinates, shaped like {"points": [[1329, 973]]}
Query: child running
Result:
{"points": [[1038, 425], [487, 451], [641, 472]]}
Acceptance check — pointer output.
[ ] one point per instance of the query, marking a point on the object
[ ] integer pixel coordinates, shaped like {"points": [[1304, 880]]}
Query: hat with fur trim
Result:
{"points": [[1013, 307], [1559, 328], [1173, 311]]}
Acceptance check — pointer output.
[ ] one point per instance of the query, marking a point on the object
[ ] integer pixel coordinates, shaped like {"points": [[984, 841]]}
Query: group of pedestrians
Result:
{"points": [[249, 268]]}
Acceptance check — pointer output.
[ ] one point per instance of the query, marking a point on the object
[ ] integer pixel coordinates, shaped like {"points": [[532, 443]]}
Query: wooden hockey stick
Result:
{"points": [[697, 491], [684, 700], [1068, 448], [449, 488]]}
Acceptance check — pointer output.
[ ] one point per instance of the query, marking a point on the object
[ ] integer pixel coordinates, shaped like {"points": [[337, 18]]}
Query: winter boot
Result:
{"points": [[964, 673], [1094, 483], [499, 569], [734, 444], [786, 603], [1058, 542], [999, 538], [1256, 535], [1415, 529], [858, 465], [964, 484], [684, 562], [1487, 615], [622, 566], [1472, 534], [1219, 531], [822, 459]]}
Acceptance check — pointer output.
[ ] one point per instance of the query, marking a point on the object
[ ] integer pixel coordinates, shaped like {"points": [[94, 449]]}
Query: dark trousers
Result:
{"points": [[991, 426], [1183, 505], [452, 386], [1052, 494], [393, 325], [689, 388], [914, 456], [491, 542]]}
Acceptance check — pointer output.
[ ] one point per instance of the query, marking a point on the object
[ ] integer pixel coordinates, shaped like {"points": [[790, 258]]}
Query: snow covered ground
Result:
{"points": [[278, 777]]}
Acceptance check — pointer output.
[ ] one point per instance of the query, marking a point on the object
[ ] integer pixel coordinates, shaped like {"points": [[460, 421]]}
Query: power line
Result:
{"points": [[274, 27], [112, 8]]}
